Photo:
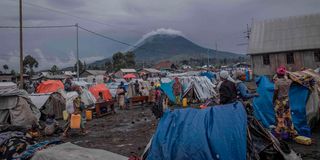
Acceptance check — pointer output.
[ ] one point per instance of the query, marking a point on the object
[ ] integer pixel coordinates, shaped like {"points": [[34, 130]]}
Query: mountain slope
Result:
{"points": [[171, 47], [175, 47]]}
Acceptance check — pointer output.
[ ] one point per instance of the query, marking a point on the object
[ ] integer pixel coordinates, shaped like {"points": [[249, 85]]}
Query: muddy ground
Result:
{"points": [[128, 131]]}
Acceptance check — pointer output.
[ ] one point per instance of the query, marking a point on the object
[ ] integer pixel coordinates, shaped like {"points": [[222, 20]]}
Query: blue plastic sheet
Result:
{"points": [[210, 75], [217, 132], [264, 109], [168, 90]]}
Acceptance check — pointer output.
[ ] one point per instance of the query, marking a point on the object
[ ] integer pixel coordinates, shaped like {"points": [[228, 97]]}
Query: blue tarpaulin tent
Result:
{"points": [[168, 90], [264, 109], [217, 132]]}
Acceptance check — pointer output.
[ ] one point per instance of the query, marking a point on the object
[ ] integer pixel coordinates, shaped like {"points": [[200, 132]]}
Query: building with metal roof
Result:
{"points": [[293, 42]]}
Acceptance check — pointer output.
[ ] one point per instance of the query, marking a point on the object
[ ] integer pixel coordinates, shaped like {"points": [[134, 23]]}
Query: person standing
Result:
{"points": [[136, 88], [152, 93], [284, 126], [227, 89], [121, 91], [177, 90], [242, 88]]}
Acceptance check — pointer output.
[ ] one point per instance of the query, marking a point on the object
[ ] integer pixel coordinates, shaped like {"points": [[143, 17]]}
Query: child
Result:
{"points": [[51, 125], [79, 108]]}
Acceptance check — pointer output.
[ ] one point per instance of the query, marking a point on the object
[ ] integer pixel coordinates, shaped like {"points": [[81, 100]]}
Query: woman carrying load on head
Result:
{"points": [[284, 126]]}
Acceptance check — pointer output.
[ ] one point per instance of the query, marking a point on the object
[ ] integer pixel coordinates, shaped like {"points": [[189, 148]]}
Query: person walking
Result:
{"points": [[284, 126]]}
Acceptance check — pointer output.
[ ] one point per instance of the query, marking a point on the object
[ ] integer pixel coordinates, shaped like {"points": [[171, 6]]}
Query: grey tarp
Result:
{"points": [[69, 151], [201, 86], [53, 103], [18, 110]]}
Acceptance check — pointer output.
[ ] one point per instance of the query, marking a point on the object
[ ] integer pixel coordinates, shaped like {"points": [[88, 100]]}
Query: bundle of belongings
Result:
{"points": [[17, 143], [219, 132]]}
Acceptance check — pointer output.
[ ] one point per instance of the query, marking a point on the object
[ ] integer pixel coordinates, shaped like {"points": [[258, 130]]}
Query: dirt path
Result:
{"points": [[126, 132]]}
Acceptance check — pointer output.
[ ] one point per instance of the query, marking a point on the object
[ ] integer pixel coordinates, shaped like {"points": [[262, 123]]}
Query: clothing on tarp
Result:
{"points": [[217, 132], [264, 108]]}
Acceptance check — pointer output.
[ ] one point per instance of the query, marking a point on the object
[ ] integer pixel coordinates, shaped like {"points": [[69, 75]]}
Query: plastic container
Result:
{"points": [[303, 140], [75, 121], [89, 115], [65, 115], [184, 102]]}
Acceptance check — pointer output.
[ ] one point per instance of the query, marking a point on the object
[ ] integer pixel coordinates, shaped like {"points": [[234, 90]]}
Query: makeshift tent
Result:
{"points": [[53, 103], [69, 151], [16, 108], [70, 97], [311, 80], [264, 109], [201, 87], [96, 89], [87, 97], [131, 92], [50, 86], [214, 133], [128, 76], [168, 90]]}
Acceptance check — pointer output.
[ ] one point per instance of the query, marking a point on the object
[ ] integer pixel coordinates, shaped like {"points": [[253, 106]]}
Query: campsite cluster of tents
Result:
{"points": [[217, 132]]}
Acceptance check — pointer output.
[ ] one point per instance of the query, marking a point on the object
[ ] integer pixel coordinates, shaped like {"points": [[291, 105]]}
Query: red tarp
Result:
{"points": [[50, 86], [101, 88]]}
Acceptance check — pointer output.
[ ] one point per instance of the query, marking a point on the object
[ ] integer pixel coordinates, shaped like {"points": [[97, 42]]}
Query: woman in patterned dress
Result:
{"points": [[284, 126]]}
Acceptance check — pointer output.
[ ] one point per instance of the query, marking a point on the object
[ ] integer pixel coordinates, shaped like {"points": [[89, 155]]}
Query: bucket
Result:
{"points": [[184, 102], [65, 115], [89, 115], [75, 121]]}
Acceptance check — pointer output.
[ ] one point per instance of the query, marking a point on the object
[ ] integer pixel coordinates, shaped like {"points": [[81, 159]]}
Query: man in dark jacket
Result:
{"points": [[227, 90]]}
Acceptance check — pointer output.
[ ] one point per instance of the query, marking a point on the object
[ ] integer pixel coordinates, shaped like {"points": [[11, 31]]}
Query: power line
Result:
{"points": [[107, 37], [74, 16], [59, 26]]}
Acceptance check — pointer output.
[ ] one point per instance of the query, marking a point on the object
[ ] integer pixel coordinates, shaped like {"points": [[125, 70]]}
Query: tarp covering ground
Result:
{"points": [[69, 151], [264, 109], [217, 132]]}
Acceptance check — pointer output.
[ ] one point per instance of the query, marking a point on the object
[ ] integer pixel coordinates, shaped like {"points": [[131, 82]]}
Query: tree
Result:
{"points": [[81, 67], [108, 66], [130, 60], [5, 67], [29, 63], [13, 72], [118, 61], [54, 70]]}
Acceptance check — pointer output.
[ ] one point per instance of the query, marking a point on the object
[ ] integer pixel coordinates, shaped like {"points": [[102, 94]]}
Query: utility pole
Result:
{"points": [[208, 59], [77, 51], [21, 45]]}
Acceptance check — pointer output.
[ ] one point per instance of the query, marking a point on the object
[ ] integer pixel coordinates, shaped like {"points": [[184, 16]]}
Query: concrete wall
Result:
{"points": [[301, 59]]}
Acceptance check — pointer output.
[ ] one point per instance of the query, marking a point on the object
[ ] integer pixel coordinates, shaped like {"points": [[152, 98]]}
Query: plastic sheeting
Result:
{"points": [[69, 151], [50, 86], [264, 109], [96, 89], [168, 90], [217, 132]]}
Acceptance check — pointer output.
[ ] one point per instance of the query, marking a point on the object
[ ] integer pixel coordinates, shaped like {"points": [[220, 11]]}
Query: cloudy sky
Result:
{"points": [[205, 22]]}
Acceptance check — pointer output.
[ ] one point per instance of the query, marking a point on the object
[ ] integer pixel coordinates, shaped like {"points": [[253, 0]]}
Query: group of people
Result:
{"points": [[232, 90]]}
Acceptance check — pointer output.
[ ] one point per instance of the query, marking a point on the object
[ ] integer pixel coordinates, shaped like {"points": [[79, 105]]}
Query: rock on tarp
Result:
{"points": [[217, 132]]}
